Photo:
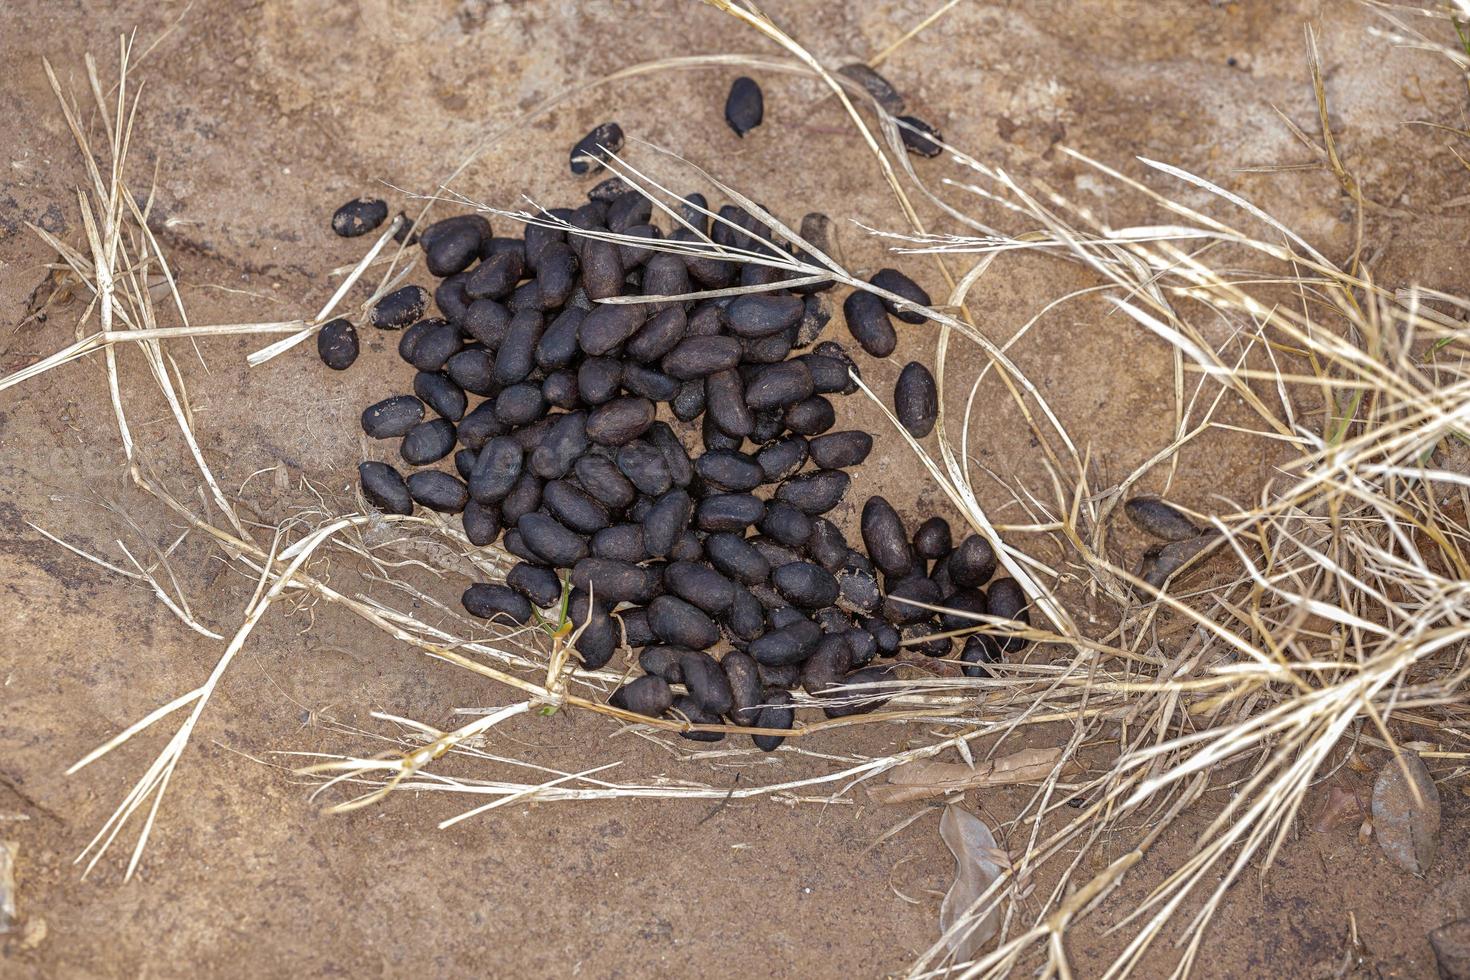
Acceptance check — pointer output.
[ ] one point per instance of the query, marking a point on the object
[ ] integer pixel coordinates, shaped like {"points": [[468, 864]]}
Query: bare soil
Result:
{"points": [[261, 117]]}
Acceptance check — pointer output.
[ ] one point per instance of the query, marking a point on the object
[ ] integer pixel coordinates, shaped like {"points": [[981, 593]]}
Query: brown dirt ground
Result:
{"points": [[263, 116]]}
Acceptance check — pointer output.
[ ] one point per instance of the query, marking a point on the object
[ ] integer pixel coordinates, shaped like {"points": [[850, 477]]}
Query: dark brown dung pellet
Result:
{"points": [[966, 605], [496, 603], [621, 542], [661, 661], [636, 632], [604, 140], [805, 584], [933, 540], [450, 298], [893, 281], [978, 651], [598, 379], [777, 713], [496, 276], [736, 558], [728, 470], [645, 467], [439, 491], [481, 523], [599, 634], [471, 369], [840, 450], [399, 308], [778, 385], [409, 339], [560, 390], [728, 512], [607, 326], [435, 346], [815, 493], [557, 347], [516, 357], [762, 314], [916, 588], [746, 693], [427, 442], [359, 216], [523, 498], [441, 394], [745, 106], [1007, 601], [384, 488], [648, 695], [665, 521], [620, 421], [706, 682], [916, 399], [701, 356], [479, 426], [573, 507], [691, 709], [336, 344], [556, 544], [1157, 518], [699, 585], [972, 563], [724, 397], [810, 416], [678, 622], [868, 323], [875, 85], [616, 581], [780, 459], [815, 315], [453, 249], [645, 381], [885, 538], [919, 137], [826, 545]]}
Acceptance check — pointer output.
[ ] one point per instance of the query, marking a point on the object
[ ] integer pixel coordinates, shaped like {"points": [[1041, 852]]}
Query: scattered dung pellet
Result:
{"points": [[648, 695], [805, 584], [762, 314], [1008, 601], [399, 308], [840, 450], [692, 710], [902, 604], [676, 621], [919, 137], [441, 394], [336, 344], [540, 585], [972, 563], [620, 421], [745, 106], [591, 150], [1157, 518], [933, 540], [728, 512], [706, 682], [557, 545], [785, 524], [438, 491], [427, 442], [616, 581], [916, 400], [868, 323], [729, 471], [778, 713], [782, 458], [779, 385], [815, 493], [884, 537], [875, 85], [496, 603], [701, 356], [893, 281], [979, 650], [359, 216], [573, 507], [790, 644], [481, 523], [815, 315], [700, 585], [1162, 563], [384, 488]]}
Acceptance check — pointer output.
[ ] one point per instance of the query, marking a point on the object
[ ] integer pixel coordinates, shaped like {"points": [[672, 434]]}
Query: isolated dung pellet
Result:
{"points": [[916, 400], [590, 151], [745, 106], [359, 216]]}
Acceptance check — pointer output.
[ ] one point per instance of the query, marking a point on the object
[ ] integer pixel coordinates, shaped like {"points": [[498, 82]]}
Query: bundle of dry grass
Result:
{"points": [[1330, 613]]}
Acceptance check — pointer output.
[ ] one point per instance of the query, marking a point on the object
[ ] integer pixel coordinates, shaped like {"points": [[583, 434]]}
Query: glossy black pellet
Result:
{"points": [[779, 385], [441, 394], [540, 585], [451, 250], [789, 644], [648, 695], [384, 488], [919, 589], [598, 639], [841, 450], [725, 405], [497, 603], [589, 152], [450, 298], [359, 216], [676, 621], [481, 523], [523, 498], [762, 314], [601, 479], [336, 344], [728, 512], [815, 493], [736, 558], [621, 542], [1008, 601], [885, 538], [964, 601], [559, 546], [868, 323], [933, 540], [919, 137], [439, 491], [563, 445], [729, 471], [978, 651], [399, 308], [599, 378], [392, 417], [826, 544], [785, 524], [745, 106], [701, 356], [660, 661], [645, 467], [556, 275], [614, 581], [574, 508], [972, 563], [777, 713], [427, 442], [516, 357], [700, 585], [916, 400], [620, 421], [810, 416]]}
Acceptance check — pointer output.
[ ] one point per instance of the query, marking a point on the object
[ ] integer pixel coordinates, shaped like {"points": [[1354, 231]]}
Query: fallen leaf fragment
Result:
{"points": [[1451, 944], [1406, 813], [925, 779], [976, 868]]}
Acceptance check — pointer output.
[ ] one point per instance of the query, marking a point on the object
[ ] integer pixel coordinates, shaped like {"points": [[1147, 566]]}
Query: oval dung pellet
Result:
{"points": [[917, 588], [714, 438], [556, 275], [438, 491], [497, 470], [790, 644], [696, 714], [574, 508], [827, 665], [736, 558], [728, 512], [830, 375], [559, 546], [826, 544], [662, 438], [496, 276], [885, 538], [875, 85], [481, 523], [785, 523], [810, 416], [725, 406], [472, 370], [427, 442], [1008, 601], [916, 400], [805, 584], [558, 347], [868, 323], [540, 585], [597, 634], [777, 713], [893, 281], [562, 445], [972, 563], [436, 231], [523, 498], [487, 321], [862, 645], [706, 682], [780, 459], [450, 298], [965, 606], [497, 603], [591, 150], [441, 394], [676, 621], [636, 632], [451, 250], [863, 699], [392, 417], [621, 542], [359, 216], [742, 674], [409, 339], [701, 356], [1157, 518], [620, 421], [609, 325], [919, 137], [729, 471], [746, 618], [763, 314], [336, 344], [602, 269], [516, 357], [745, 106], [658, 335], [665, 521], [660, 661], [654, 385], [978, 651], [687, 546], [648, 695], [699, 585], [479, 427], [559, 388], [933, 540], [616, 581], [384, 488], [779, 385], [598, 379], [601, 479], [815, 493], [645, 467], [840, 450], [435, 346], [399, 308]]}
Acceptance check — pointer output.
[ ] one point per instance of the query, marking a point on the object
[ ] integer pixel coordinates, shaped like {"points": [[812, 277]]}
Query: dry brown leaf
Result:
{"points": [[1341, 807], [924, 779], [1406, 813], [976, 868]]}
